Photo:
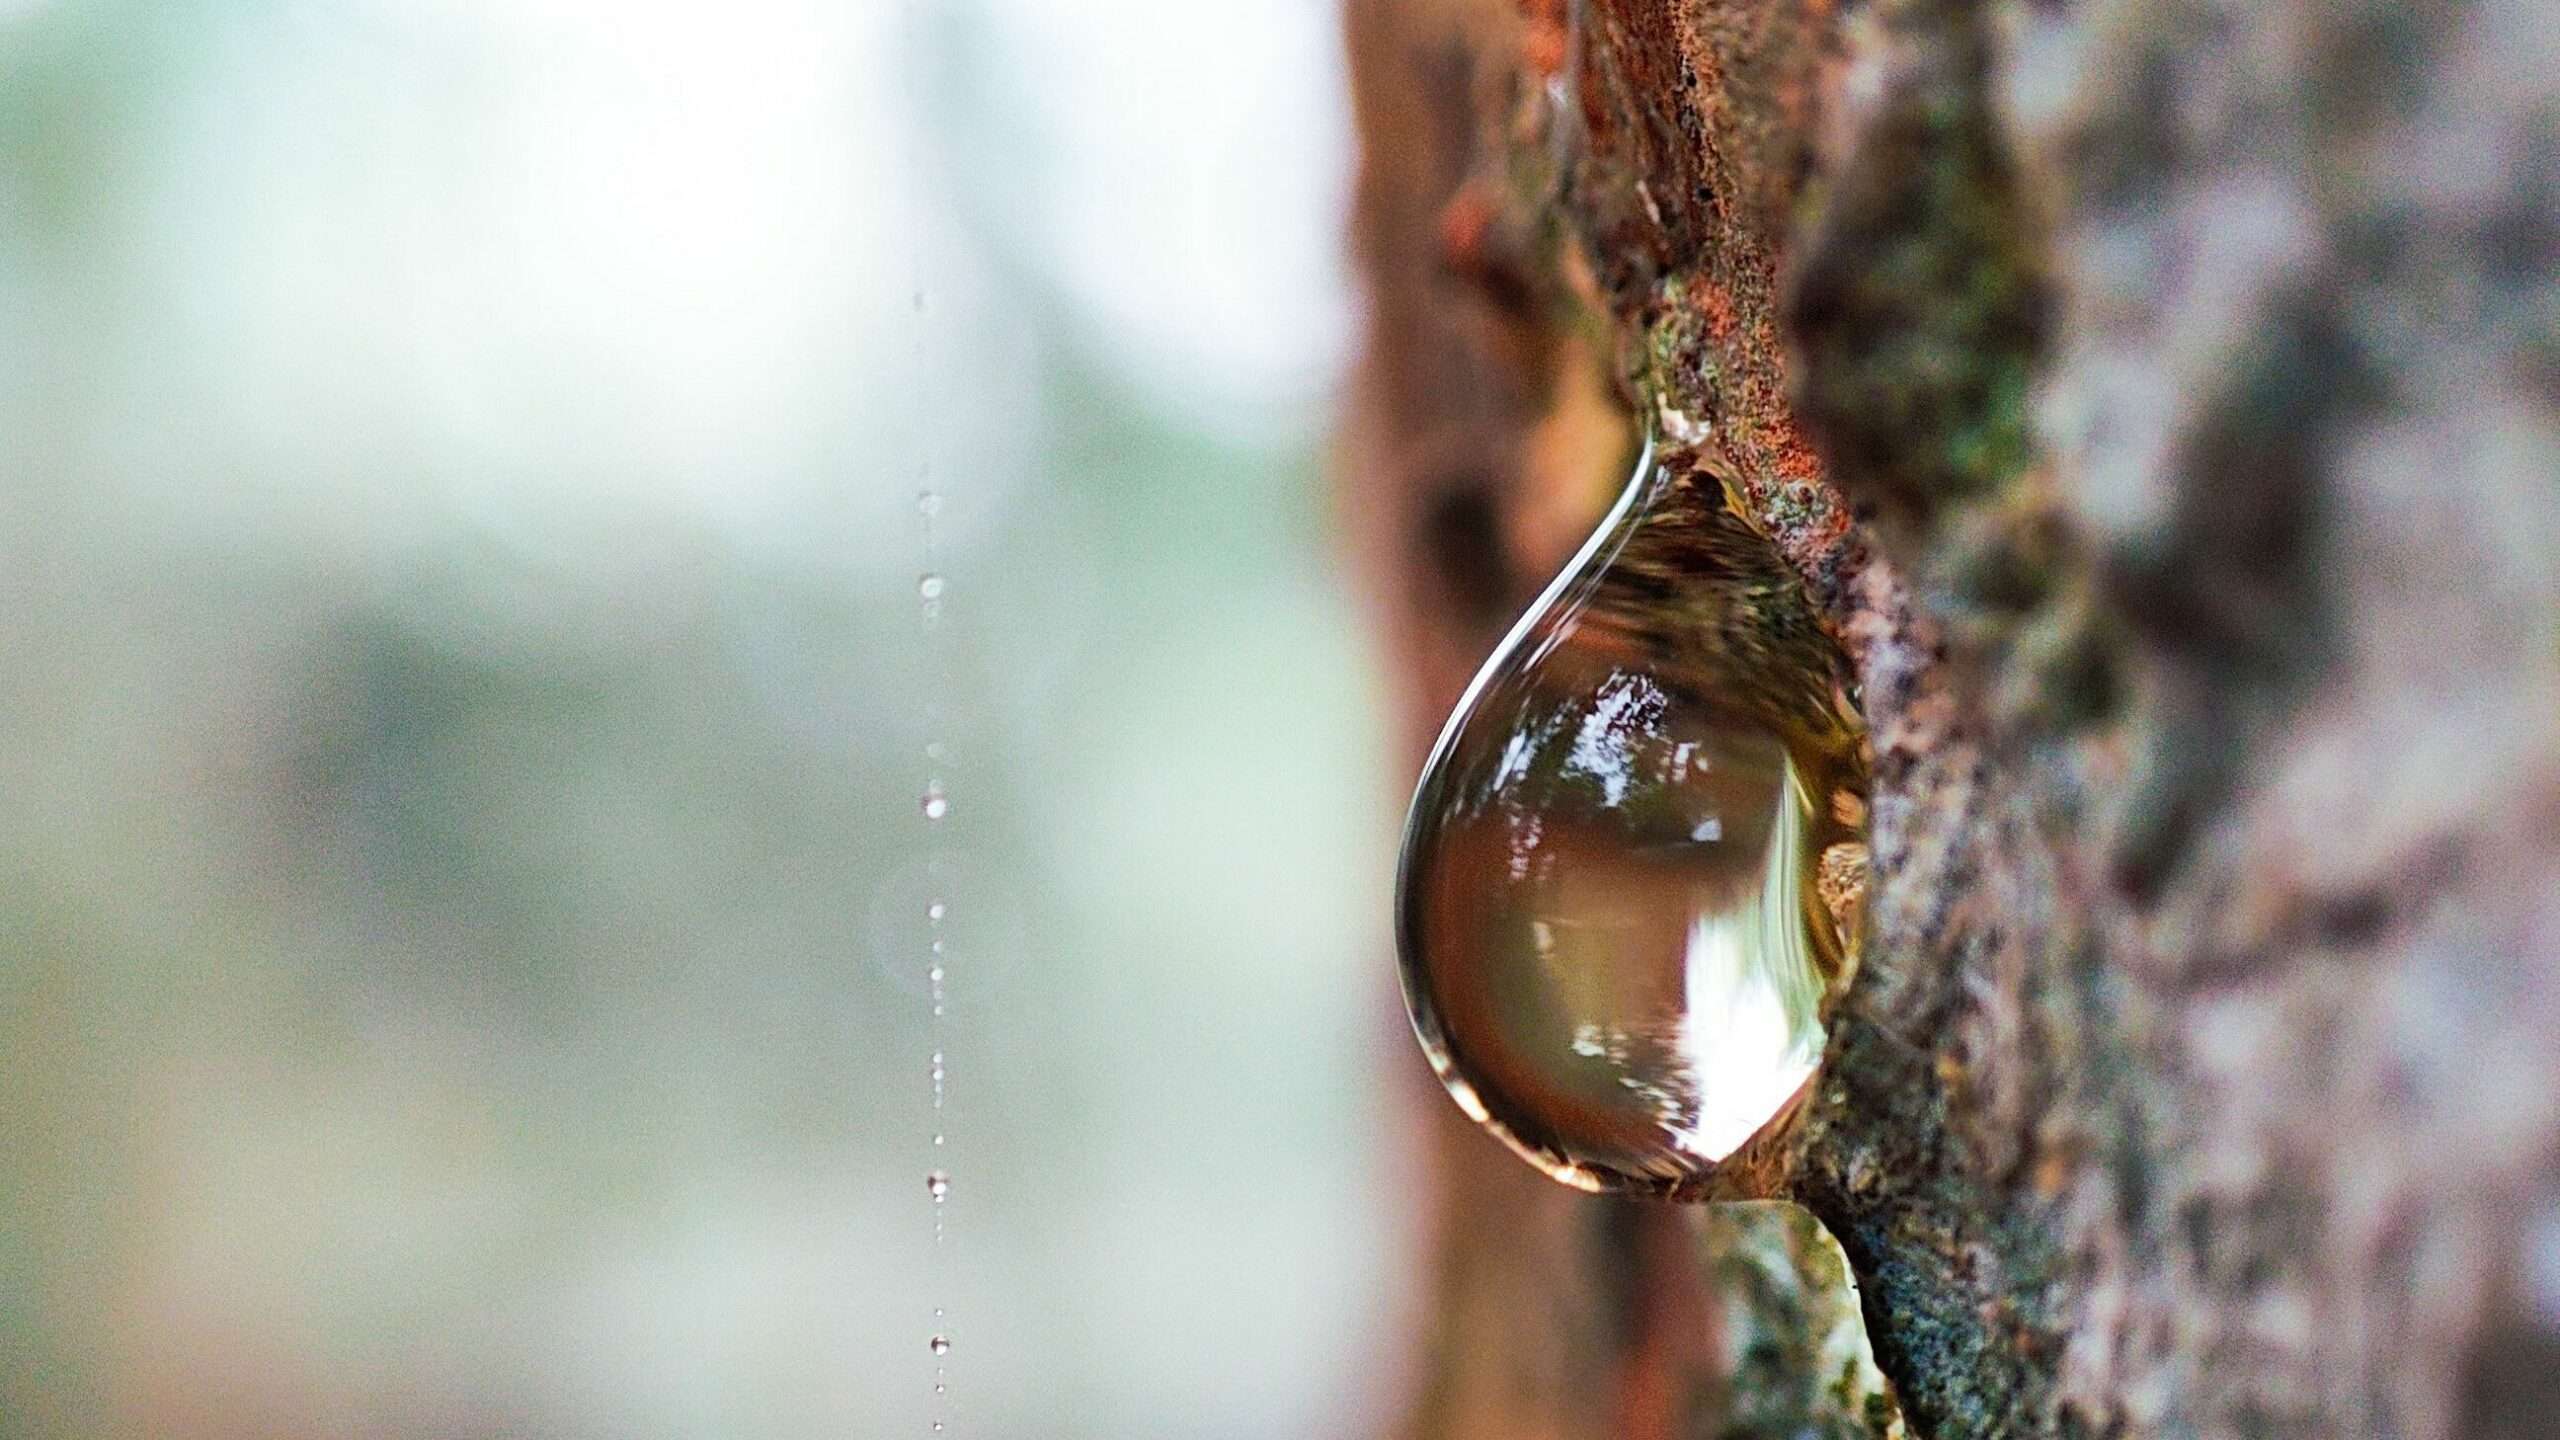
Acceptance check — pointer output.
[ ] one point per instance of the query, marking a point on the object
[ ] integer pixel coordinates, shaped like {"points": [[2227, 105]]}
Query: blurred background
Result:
{"points": [[509, 510]]}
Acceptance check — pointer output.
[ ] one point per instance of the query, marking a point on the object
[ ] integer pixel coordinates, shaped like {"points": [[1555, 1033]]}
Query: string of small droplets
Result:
{"points": [[935, 805]]}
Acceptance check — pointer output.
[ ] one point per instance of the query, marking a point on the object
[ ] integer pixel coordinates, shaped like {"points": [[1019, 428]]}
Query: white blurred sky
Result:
{"points": [[623, 245]]}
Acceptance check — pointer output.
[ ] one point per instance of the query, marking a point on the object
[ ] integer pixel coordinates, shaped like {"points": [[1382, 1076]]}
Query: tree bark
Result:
{"points": [[2158, 400]]}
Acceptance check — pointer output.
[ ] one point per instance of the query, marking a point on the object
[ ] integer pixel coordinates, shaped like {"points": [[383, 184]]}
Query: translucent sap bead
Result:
{"points": [[1613, 932]]}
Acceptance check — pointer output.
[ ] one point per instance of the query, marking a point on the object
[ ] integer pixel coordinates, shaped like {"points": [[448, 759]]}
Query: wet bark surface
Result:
{"points": [[2158, 401]]}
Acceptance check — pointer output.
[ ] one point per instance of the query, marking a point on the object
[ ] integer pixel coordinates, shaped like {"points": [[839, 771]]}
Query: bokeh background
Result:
{"points": [[469, 698]]}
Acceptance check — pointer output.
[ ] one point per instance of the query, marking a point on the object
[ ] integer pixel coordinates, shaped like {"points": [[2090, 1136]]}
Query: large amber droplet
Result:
{"points": [[1615, 939]]}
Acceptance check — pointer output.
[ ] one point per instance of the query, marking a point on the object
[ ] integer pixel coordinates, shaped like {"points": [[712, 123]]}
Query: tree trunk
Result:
{"points": [[2161, 402]]}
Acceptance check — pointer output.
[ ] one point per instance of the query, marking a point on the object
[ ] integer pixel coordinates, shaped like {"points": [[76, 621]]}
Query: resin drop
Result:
{"points": [[937, 1185], [941, 1344], [1615, 940]]}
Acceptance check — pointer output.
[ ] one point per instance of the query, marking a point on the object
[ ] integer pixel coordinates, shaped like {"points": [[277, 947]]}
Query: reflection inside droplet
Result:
{"points": [[1615, 944]]}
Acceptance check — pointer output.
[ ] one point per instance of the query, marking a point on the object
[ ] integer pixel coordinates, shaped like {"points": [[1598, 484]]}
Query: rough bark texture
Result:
{"points": [[2161, 400]]}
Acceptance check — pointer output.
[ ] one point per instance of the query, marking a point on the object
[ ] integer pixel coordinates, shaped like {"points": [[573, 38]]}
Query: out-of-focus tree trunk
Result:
{"points": [[2162, 402]]}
